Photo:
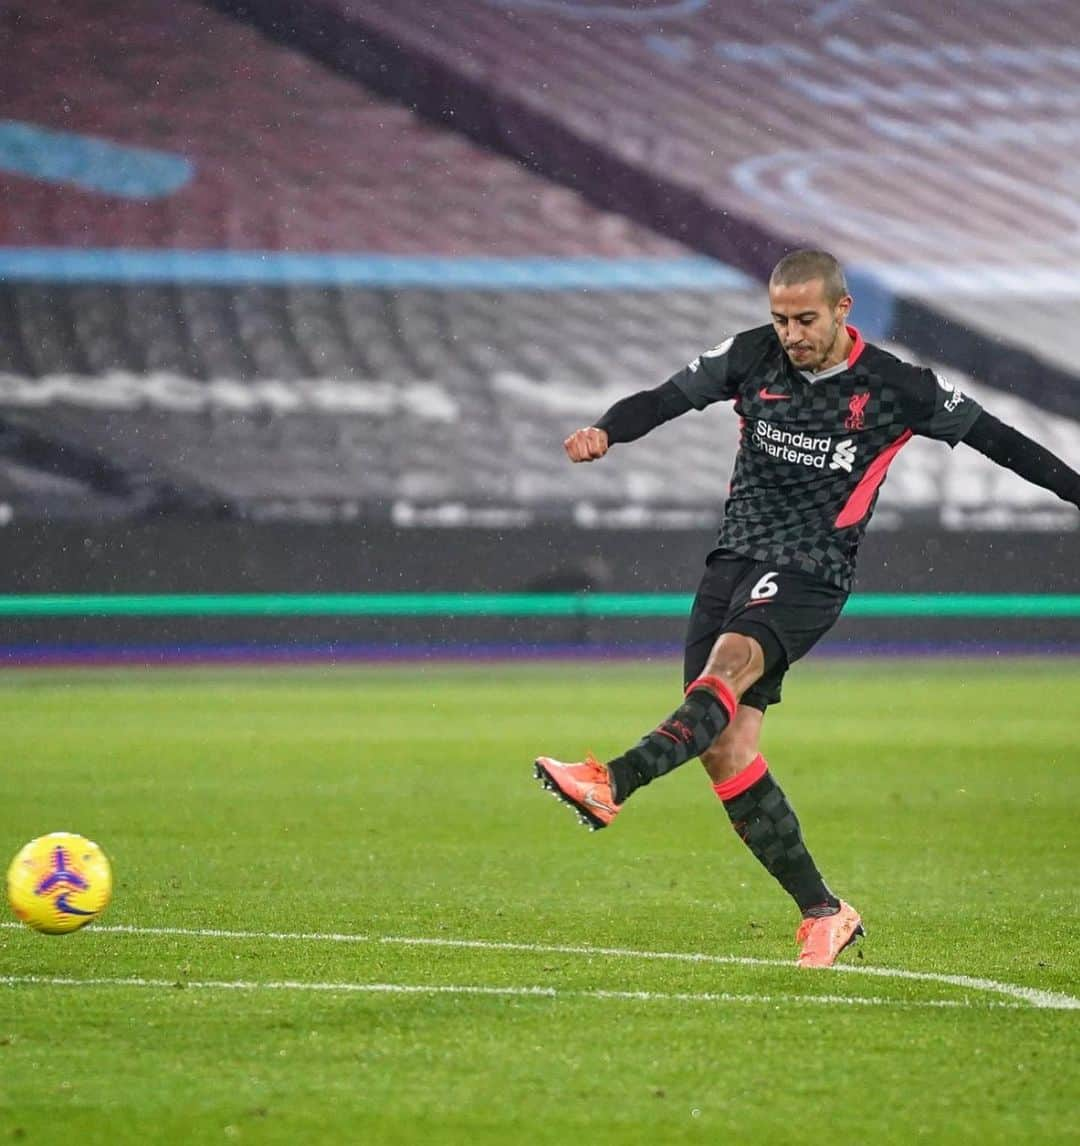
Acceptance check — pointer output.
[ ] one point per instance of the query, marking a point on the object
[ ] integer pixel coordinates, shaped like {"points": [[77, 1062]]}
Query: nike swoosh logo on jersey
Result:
{"points": [[764, 394]]}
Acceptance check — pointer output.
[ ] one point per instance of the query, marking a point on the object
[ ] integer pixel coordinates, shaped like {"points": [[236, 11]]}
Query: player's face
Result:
{"points": [[806, 324]]}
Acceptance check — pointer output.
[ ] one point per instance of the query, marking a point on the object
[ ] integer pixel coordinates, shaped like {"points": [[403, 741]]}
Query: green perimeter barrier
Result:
{"points": [[500, 605]]}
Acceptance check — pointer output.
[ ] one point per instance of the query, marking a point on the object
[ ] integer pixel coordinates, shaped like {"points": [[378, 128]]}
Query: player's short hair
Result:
{"points": [[805, 266]]}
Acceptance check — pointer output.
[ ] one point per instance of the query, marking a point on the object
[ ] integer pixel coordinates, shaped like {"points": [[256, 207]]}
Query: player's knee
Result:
{"points": [[737, 659]]}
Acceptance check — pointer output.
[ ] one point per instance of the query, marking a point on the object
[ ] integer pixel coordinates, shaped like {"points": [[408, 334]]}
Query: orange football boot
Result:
{"points": [[586, 787], [824, 937]]}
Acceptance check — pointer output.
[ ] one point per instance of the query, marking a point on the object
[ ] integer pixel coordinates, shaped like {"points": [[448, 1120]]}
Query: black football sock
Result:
{"points": [[765, 821], [705, 712]]}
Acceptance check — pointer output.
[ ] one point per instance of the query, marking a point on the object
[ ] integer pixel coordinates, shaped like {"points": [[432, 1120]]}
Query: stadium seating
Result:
{"points": [[927, 145], [285, 155], [316, 405], [328, 400]]}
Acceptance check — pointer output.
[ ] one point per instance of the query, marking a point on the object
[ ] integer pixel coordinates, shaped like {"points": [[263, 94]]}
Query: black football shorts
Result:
{"points": [[787, 612]]}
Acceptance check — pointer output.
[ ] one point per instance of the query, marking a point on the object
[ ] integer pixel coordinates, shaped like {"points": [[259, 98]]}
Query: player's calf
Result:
{"points": [[765, 821], [707, 710]]}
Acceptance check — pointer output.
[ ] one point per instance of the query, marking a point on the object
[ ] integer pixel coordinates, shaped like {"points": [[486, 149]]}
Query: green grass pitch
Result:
{"points": [[395, 807]]}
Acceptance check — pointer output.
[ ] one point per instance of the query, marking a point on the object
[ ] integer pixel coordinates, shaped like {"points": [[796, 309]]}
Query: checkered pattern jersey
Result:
{"points": [[813, 451]]}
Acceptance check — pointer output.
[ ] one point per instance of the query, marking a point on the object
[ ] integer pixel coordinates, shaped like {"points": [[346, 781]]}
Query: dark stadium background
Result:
{"points": [[301, 297]]}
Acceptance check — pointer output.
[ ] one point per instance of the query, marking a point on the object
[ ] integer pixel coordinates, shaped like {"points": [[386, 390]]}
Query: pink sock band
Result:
{"points": [[747, 778], [719, 689]]}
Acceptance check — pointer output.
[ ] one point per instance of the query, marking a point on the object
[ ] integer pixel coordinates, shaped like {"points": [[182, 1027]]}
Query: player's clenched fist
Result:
{"points": [[586, 445]]}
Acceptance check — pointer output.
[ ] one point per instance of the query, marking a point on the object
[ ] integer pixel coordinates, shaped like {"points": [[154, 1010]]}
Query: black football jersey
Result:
{"points": [[814, 449]]}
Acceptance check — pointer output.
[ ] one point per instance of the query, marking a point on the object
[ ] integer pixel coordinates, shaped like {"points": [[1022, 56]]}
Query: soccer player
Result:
{"points": [[822, 416]]}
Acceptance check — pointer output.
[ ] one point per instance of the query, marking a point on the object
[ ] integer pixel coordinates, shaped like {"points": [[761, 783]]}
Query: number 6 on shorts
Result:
{"points": [[765, 588]]}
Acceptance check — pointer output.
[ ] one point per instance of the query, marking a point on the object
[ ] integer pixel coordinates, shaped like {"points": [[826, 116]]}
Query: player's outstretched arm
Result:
{"points": [[1017, 452], [629, 419]]}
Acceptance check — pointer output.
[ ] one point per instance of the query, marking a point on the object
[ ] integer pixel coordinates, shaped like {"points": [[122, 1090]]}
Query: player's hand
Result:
{"points": [[587, 445]]}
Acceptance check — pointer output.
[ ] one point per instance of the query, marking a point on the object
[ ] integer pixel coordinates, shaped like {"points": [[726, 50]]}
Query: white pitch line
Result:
{"points": [[1032, 996], [514, 992]]}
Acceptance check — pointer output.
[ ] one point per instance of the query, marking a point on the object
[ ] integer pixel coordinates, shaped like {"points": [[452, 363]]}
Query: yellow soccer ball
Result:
{"points": [[59, 883]]}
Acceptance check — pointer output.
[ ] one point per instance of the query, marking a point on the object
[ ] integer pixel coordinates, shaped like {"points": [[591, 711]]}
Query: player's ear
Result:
{"points": [[843, 307]]}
